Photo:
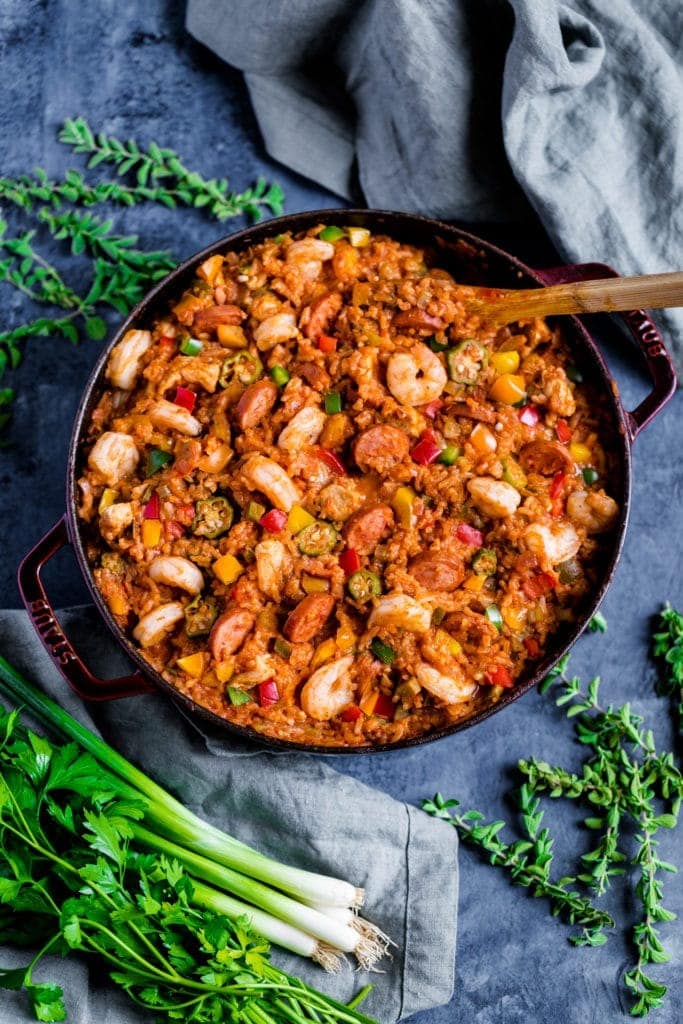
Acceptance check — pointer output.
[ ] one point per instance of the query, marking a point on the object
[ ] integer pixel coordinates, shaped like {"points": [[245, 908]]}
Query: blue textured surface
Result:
{"points": [[130, 69]]}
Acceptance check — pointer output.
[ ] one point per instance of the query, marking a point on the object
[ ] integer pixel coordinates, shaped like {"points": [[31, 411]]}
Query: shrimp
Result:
{"points": [[401, 611], [595, 511], [169, 416], [552, 544], [303, 429], [416, 377], [558, 391], [272, 567], [275, 330], [126, 359], [264, 475], [153, 626], [177, 572], [445, 688], [114, 456], [115, 519], [493, 497], [309, 249], [329, 690]]}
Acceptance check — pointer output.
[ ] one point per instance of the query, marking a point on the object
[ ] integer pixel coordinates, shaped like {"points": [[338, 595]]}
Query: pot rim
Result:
{"points": [[359, 217]]}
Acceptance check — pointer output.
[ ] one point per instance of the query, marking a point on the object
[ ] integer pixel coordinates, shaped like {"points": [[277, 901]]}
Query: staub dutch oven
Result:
{"points": [[472, 261]]}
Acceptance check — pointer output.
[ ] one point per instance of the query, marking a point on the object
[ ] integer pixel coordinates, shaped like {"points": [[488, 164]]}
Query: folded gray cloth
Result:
{"points": [[291, 806], [446, 108]]}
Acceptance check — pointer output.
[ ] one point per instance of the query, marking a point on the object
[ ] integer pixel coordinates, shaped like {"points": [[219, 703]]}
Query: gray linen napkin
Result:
{"points": [[446, 108], [294, 807]]}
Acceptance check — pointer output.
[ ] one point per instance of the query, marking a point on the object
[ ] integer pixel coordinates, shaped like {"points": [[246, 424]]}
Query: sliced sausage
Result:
{"points": [[255, 403], [419, 320], [229, 632], [308, 618], [434, 572], [545, 457], [315, 376], [321, 313], [472, 412], [380, 448], [207, 319], [365, 529]]}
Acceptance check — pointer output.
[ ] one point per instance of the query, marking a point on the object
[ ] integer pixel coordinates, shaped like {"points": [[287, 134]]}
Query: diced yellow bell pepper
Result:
{"points": [[509, 388], [151, 532], [449, 642], [514, 618], [483, 439], [231, 336], [368, 704], [227, 569], [346, 639], [192, 664], [579, 452], [267, 620], [298, 519], [403, 503], [323, 652], [314, 584], [359, 237], [108, 498], [505, 362], [474, 583], [118, 604], [225, 671], [210, 268]]}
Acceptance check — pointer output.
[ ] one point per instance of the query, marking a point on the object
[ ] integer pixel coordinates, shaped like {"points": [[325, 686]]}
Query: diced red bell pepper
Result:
{"points": [[529, 415], [385, 707], [173, 529], [351, 714], [557, 485], [538, 585], [152, 509], [167, 343], [349, 561], [564, 434], [273, 521], [498, 676], [427, 449], [432, 408], [533, 648], [268, 693], [185, 398], [326, 343], [331, 460], [468, 535]]}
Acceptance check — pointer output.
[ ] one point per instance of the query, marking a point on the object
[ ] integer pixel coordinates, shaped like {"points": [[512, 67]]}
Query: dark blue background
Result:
{"points": [[130, 69]]}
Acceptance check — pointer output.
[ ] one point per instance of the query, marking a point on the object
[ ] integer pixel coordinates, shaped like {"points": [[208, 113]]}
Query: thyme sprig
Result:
{"points": [[179, 185], [633, 791]]}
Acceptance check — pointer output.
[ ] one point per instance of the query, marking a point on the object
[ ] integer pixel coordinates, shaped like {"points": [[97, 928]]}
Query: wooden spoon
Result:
{"points": [[607, 295]]}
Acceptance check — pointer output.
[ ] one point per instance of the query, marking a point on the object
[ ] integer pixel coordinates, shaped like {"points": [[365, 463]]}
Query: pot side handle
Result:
{"points": [[33, 594], [646, 334]]}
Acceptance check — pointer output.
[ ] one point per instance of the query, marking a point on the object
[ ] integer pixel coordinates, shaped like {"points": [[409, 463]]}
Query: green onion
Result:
{"points": [[383, 652], [331, 234], [280, 375], [574, 373], [436, 346], [494, 616], [282, 648], [236, 696], [191, 346], [450, 454], [589, 475], [333, 402], [156, 460], [438, 615]]}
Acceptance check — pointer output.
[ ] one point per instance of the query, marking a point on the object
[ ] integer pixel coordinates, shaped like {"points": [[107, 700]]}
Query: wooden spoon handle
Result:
{"points": [[650, 291]]}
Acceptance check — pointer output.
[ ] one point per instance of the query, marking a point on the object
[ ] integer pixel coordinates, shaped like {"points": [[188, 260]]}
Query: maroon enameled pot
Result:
{"points": [[471, 261]]}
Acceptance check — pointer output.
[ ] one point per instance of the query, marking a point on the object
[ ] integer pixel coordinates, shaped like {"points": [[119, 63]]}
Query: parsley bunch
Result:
{"points": [[632, 790], [121, 273], [72, 880]]}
